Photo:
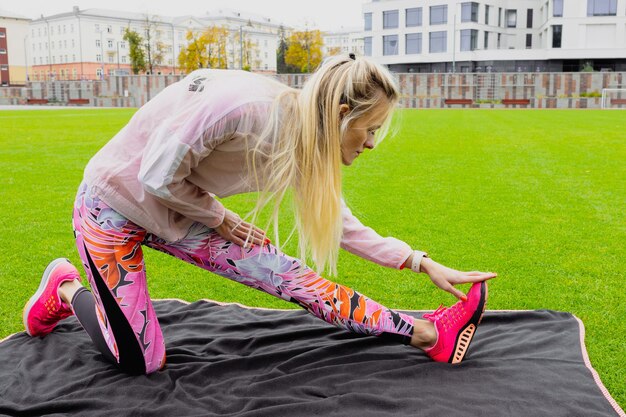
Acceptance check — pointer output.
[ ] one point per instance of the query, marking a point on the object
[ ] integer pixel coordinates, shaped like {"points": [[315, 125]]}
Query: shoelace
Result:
{"points": [[448, 316]]}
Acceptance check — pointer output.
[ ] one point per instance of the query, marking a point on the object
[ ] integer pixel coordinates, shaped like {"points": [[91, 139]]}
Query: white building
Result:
{"points": [[496, 35], [85, 44], [342, 41]]}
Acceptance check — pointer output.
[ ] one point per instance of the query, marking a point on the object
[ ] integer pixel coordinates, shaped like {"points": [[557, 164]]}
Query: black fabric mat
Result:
{"points": [[228, 360]]}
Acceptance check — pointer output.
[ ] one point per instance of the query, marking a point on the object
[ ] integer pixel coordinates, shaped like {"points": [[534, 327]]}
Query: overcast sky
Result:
{"points": [[323, 14]]}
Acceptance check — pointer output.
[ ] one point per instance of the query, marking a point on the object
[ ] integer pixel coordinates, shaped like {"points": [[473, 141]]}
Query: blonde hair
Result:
{"points": [[305, 130]]}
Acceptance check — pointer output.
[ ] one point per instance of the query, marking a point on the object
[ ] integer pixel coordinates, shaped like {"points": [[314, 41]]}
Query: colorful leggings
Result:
{"points": [[110, 247]]}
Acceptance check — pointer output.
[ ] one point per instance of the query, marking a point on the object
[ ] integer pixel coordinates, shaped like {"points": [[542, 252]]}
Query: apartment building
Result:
{"points": [[342, 41], [496, 35], [13, 36], [89, 44]]}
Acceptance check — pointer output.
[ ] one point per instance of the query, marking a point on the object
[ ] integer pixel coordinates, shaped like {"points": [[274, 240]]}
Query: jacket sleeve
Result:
{"points": [[367, 244], [176, 147]]}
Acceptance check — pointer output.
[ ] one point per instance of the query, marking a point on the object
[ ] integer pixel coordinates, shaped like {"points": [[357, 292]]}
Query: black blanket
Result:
{"points": [[229, 360]]}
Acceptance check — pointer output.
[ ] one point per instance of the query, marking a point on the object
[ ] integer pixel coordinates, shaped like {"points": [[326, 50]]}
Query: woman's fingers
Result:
{"points": [[457, 293], [250, 233]]}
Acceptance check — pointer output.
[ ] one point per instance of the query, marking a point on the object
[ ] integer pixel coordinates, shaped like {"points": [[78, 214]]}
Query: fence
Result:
{"points": [[527, 90]]}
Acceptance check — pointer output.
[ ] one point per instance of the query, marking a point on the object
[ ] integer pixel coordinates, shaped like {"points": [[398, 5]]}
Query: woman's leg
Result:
{"points": [[110, 249], [267, 269]]}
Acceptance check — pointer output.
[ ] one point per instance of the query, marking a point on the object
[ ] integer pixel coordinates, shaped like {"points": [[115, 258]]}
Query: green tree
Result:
{"points": [[154, 49], [281, 66], [305, 50], [136, 53]]}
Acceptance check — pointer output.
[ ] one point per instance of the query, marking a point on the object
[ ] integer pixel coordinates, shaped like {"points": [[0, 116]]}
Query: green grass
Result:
{"points": [[537, 196]]}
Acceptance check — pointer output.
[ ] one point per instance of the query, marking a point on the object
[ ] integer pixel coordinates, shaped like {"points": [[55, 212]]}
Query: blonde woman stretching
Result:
{"points": [[221, 133]]}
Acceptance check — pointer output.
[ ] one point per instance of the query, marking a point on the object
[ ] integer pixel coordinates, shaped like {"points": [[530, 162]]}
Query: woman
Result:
{"points": [[226, 132]]}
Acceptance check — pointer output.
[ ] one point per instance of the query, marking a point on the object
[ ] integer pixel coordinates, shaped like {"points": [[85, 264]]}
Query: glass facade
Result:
{"points": [[414, 17], [413, 43], [390, 19], [469, 11], [601, 7], [557, 8], [367, 18], [390, 45], [438, 15], [557, 32], [469, 39], [367, 46], [438, 41]]}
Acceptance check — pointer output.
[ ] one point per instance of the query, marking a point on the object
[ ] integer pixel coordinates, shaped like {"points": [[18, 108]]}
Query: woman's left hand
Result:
{"points": [[445, 278]]}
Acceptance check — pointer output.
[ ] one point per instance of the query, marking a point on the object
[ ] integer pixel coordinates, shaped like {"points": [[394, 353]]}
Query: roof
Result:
{"points": [[11, 15]]}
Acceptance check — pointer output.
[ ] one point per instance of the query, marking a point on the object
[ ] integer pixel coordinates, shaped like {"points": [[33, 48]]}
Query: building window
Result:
{"points": [[557, 31], [110, 59], [529, 18], [438, 15], [98, 58], [557, 8], [73, 44], [109, 29], [529, 41], [469, 12], [64, 27], [499, 44], [367, 46], [601, 7], [99, 72], [413, 17], [51, 30], [98, 43], [469, 39], [511, 18], [499, 16], [123, 45], [486, 14], [4, 68], [110, 43], [390, 45], [3, 35], [123, 59], [413, 43], [73, 58], [438, 41], [367, 17], [72, 28], [390, 19], [486, 41], [97, 27]]}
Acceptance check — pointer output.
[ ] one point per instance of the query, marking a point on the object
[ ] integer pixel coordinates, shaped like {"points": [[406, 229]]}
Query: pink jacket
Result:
{"points": [[187, 145]]}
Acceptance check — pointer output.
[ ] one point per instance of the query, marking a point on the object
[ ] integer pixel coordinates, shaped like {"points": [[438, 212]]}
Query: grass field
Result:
{"points": [[537, 196]]}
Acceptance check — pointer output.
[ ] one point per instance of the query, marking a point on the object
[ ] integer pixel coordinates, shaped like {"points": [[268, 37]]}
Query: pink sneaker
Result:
{"points": [[456, 325], [45, 308]]}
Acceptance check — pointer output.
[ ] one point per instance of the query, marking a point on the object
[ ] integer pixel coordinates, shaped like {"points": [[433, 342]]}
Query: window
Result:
{"points": [[98, 43], [469, 39], [2, 35], [4, 68], [73, 43], [110, 59], [529, 40], [486, 14], [54, 59], [469, 12], [390, 45], [65, 43], [557, 31], [98, 58], [3, 51], [180, 36], [438, 41], [486, 41], [109, 29], [99, 72], [110, 43], [97, 27], [64, 27], [511, 18], [499, 44], [73, 58], [413, 17], [72, 28], [413, 43], [438, 15], [123, 45], [51, 30], [123, 59], [367, 17], [557, 8], [499, 16], [601, 7], [529, 18], [367, 46], [390, 19]]}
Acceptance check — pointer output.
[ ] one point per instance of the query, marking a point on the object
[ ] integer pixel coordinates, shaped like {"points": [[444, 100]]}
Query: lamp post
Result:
{"points": [[249, 24]]}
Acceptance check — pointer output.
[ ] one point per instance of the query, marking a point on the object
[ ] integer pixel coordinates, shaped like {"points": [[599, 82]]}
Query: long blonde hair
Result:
{"points": [[305, 130]]}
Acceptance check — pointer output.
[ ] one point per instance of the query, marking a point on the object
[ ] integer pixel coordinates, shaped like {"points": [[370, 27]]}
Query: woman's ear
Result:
{"points": [[344, 109]]}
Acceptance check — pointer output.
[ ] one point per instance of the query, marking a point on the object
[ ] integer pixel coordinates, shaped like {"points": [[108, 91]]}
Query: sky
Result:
{"points": [[321, 14]]}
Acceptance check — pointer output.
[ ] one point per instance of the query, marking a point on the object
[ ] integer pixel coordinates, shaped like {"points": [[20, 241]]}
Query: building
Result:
{"points": [[13, 37], [496, 35], [88, 44], [342, 41]]}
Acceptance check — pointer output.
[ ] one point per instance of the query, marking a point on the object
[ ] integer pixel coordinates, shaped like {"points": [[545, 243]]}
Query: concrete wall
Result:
{"points": [[541, 90]]}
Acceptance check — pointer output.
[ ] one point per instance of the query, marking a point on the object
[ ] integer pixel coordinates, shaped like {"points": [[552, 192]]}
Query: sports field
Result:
{"points": [[538, 196]]}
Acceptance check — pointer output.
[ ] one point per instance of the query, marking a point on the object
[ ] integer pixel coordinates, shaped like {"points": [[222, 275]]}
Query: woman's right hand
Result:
{"points": [[235, 230]]}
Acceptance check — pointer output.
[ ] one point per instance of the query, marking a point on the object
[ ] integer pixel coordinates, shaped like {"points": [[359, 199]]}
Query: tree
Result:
{"points": [[205, 50], [281, 66], [153, 47], [305, 50], [136, 54]]}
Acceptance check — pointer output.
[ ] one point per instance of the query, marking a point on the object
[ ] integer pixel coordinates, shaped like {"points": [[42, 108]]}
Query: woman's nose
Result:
{"points": [[369, 144]]}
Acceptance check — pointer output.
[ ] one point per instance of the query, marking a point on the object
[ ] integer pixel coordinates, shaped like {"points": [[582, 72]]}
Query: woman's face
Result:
{"points": [[360, 132]]}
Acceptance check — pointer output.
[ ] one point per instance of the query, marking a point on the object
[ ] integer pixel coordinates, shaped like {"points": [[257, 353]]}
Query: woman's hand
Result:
{"points": [[445, 278], [237, 231]]}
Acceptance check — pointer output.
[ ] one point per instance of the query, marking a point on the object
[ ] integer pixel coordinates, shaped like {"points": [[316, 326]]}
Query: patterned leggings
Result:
{"points": [[110, 247]]}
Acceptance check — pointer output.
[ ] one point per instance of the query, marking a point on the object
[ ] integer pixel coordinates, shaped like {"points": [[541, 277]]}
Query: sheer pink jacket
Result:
{"points": [[187, 145]]}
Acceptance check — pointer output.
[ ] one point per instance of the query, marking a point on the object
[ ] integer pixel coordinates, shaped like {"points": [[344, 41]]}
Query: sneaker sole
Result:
{"points": [[465, 336], [42, 286]]}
